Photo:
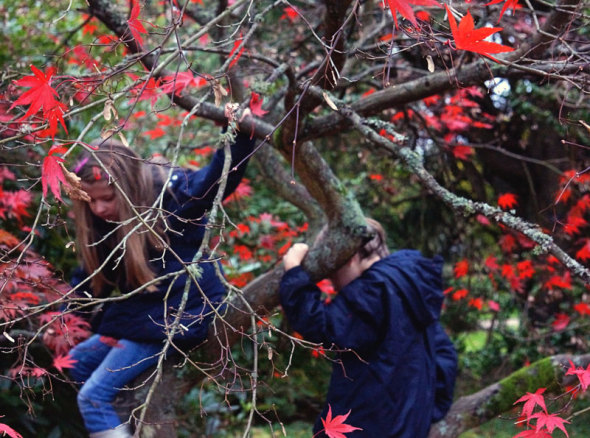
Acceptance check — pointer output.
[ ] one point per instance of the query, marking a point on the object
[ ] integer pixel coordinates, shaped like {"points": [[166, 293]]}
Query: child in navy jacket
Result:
{"points": [[397, 366], [139, 238]]}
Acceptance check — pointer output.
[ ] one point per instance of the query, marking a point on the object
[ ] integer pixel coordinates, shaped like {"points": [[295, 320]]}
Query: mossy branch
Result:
{"points": [[473, 410]]}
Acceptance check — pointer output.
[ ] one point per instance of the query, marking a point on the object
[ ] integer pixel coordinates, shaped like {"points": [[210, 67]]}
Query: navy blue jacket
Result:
{"points": [[399, 373], [190, 194]]}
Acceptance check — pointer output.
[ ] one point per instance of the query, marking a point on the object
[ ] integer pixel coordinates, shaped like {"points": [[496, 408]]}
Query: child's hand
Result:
{"points": [[295, 255]]}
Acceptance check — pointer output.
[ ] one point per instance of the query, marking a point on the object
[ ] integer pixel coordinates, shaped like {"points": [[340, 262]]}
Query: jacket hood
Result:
{"points": [[417, 280]]}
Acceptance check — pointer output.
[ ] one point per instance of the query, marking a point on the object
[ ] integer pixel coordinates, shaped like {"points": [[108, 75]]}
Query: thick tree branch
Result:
{"points": [[413, 162], [463, 76]]}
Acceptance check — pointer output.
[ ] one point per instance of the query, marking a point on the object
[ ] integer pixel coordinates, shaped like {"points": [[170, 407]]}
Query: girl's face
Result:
{"points": [[103, 202]]}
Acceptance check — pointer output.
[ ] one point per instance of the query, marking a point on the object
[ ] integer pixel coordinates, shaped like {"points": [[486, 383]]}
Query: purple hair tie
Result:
{"points": [[80, 164]]}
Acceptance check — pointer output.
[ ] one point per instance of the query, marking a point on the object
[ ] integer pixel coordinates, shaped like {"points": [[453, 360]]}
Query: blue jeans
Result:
{"points": [[103, 369]]}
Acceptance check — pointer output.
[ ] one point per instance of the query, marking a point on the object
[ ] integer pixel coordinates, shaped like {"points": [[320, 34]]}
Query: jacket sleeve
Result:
{"points": [[446, 373], [195, 192], [344, 322]]}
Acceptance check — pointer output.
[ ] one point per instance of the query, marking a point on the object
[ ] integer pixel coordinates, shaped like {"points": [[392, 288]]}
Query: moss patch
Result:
{"points": [[541, 374]]}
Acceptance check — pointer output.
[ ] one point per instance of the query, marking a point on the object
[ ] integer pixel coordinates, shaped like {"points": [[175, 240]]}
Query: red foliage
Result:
{"points": [[476, 303], [63, 331], [52, 174], [15, 204], [459, 294], [582, 308], [405, 10], [256, 105], [531, 401], [550, 422], [509, 3], [582, 374], [584, 252], [290, 13], [5, 429], [461, 268], [178, 82], [462, 152], [63, 361], [135, 25], [493, 306], [335, 427], [561, 322], [40, 95], [149, 90], [155, 133], [507, 201], [471, 39], [236, 56]]}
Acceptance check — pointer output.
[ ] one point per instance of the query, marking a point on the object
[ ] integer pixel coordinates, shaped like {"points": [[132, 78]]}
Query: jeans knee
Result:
{"points": [[91, 395], [84, 401]]}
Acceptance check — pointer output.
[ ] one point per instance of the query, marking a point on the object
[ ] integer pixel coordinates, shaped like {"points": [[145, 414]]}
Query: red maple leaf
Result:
{"points": [[290, 13], [326, 287], [583, 375], [493, 305], [243, 190], [530, 401], [563, 282], [507, 271], [509, 3], [256, 105], [178, 82], [18, 202], [52, 173], [237, 45], [525, 269], [146, 90], [471, 39], [5, 429], [582, 308], [63, 331], [508, 242], [575, 221], [406, 11], [462, 152], [561, 322], [584, 252], [476, 303], [491, 263], [53, 115], [507, 201], [135, 26], [335, 427], [63, 361], [155, 133], [461, 268], [550, 422], [461, 293], [40, 95]]}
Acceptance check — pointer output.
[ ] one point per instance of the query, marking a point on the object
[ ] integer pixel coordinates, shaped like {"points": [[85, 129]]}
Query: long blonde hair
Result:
{"points": [[96, 239]]}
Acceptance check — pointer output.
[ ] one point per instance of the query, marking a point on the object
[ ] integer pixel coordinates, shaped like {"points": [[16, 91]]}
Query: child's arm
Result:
{"points": [[195, 191], [342, 322]]}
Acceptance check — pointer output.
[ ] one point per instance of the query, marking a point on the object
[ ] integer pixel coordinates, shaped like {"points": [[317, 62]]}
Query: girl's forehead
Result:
{"points": [[97, 188]]}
